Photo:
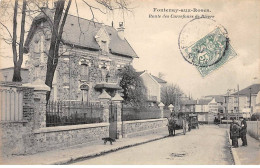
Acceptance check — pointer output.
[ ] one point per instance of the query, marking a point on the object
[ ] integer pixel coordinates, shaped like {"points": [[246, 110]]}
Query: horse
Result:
{"points": [[172, 124]]}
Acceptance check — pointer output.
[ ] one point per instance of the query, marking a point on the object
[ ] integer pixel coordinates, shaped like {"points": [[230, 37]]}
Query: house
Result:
{"points": [[153, 86], [242, 103], [220, 101], [207, 110], [187, 105], [6, 74], [90, 57]]}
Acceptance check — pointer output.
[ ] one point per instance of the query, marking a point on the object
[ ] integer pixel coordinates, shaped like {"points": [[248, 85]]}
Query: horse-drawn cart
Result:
{"points": [[193, 121], [177, 121]]}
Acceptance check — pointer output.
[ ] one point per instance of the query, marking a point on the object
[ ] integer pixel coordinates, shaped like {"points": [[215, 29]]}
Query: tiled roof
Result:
{"points": [[159, 80], [204, 101], [81, 32], [218, 98], [188, 102], [255, 88]]}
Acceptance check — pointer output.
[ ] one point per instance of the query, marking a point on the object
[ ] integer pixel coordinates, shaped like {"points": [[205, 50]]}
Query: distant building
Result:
{"points": [[207, 110], [187, 105], [220, 99], [153, 86], [242, 103], [6, 74]]}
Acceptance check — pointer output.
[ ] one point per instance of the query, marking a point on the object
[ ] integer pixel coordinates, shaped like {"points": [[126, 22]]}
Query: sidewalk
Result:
{"points": [[83, 151], [246, 155]]}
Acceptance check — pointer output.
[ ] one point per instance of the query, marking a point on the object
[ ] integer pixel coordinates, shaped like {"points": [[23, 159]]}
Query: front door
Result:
{"points": [[113, 121]]}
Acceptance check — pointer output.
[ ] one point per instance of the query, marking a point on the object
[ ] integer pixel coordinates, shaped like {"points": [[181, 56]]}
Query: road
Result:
{"points": [[205, 146]]}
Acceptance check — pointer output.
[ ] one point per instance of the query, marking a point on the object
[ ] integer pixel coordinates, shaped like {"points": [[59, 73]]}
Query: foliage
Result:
{"points": [[134, 91], [170, 94]]}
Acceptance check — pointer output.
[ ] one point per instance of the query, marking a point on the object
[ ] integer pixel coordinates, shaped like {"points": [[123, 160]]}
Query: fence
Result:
{"points": [[253, 128], [73, 113], [11, 103]]}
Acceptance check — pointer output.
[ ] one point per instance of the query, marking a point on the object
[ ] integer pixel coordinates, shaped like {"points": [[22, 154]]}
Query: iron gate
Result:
{"points": [[113, 120]]}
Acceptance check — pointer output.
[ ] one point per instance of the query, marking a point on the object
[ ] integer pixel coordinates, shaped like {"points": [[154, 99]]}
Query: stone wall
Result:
{"points": [[50, 138], [140, 127], [253, 129]]}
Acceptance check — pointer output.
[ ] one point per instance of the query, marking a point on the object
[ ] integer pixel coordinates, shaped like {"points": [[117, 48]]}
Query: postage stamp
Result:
{"points": [[205, 44]]}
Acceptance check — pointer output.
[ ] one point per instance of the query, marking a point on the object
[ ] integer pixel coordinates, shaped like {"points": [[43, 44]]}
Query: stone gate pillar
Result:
{"points": [[39, 95], [161, 105], [117, 100], [104, 99]]}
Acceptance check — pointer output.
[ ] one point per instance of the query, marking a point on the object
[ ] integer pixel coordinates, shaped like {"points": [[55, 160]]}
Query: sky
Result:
{"points": [[155, 40]]}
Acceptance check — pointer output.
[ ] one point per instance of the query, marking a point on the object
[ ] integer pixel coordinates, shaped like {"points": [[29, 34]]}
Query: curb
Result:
{"points": [[233, 152], [95, 154]]}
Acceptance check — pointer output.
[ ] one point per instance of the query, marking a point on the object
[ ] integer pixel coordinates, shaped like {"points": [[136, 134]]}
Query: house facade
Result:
{"points": [[90, 58], [6, 74], [241, 103], [207, 110], [153, 86]]}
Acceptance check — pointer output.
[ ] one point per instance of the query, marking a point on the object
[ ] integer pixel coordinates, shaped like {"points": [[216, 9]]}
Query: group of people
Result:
{"points": [[238, 131]]}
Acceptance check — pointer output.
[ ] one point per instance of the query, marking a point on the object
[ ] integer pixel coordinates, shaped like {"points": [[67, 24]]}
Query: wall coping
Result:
{"points": [[69, 127], [6, 122], [141, 121]]}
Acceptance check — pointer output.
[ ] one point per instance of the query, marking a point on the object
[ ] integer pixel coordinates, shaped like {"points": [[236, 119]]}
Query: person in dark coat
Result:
{"points": [[230, 131], [235, 134], [243, 132]]}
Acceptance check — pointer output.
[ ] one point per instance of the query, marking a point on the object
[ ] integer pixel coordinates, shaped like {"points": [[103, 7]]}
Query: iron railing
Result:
{"points": [[73, 113]]}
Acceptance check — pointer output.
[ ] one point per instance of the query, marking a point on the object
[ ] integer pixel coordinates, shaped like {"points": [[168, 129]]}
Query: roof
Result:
{"points": [[204, 101], [140, 73], [84, 35], [159, 80], [255, 88], [218, 98], [188, 102]]}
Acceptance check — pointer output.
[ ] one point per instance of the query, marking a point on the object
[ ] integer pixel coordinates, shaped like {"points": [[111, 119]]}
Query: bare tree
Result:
{"points": [[17, 55], [171, 94], [56, 37]]}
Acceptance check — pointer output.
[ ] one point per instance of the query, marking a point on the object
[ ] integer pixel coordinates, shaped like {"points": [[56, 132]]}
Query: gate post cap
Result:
{"points": [[117, 97], [104, 95], [161, 105], [38, 85]]}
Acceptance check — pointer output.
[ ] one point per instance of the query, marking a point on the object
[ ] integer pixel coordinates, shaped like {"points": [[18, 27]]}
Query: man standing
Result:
{"points": [[243, 132], [231, 132], [235, 134]]}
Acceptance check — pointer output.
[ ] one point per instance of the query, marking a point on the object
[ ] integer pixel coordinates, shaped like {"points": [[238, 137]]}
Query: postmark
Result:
{"points": [[205, 44]]}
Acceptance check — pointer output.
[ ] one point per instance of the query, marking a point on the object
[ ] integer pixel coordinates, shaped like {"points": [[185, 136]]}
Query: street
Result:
{"points": [[205, 146]]}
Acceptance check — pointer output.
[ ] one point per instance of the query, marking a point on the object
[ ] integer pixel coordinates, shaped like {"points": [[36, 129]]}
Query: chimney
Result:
{"points": [[197, 101], [120, 30]]}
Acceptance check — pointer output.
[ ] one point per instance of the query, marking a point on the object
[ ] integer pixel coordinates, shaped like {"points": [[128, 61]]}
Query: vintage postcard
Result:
{"points": [[129, 82]]}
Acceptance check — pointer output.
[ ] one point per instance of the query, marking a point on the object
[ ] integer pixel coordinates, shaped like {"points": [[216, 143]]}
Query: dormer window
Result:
{"points": [[103, 39]]}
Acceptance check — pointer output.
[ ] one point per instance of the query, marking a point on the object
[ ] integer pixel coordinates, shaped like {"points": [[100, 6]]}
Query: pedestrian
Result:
{"points": [[235, 134], [243, 132], [231, 132]]}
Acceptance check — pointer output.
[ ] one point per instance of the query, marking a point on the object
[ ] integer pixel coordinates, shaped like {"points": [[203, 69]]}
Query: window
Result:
{"points": [[84, 72], [104, 47]]}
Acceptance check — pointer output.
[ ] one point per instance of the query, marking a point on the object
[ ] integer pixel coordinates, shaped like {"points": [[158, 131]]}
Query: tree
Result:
{"points": [[56, 37], [17, 56], [134, 91], [170, 94]]}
